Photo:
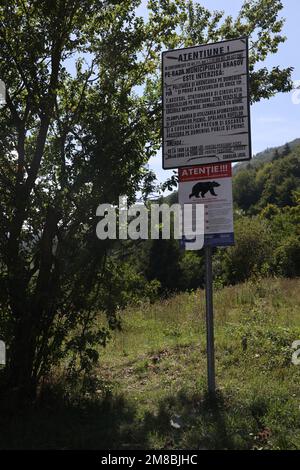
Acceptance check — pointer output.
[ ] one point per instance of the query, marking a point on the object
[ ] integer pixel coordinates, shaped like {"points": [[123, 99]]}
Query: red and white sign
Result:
{"points": [[210, 185], [205, 172]]}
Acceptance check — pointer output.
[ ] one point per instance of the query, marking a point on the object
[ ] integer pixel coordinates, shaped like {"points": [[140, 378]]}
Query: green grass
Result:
{"points": [[154, 370]]}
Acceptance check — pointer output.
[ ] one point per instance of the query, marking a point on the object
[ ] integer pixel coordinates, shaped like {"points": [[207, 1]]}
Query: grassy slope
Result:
{"points": [[159, 363], [155, 371]]}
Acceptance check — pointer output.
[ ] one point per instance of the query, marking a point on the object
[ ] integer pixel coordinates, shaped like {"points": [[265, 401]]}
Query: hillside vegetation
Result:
{"points": [[105, 336], [274, 182], [149, 390], [266, 156], [266, 224]]}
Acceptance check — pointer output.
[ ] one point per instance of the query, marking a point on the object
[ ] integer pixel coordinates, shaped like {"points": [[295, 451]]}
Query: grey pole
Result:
{"points": [[209, 323]]}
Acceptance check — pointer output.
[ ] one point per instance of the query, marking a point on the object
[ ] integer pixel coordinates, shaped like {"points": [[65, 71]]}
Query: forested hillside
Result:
{"points": [[267, 232], [268, 182], [267, 155]]}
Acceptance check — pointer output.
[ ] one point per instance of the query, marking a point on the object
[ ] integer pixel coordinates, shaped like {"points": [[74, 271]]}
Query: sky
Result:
{"points": [[277, 120]]}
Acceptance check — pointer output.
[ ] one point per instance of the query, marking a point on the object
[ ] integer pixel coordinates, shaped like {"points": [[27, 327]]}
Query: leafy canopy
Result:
{"points": [[81, 121]]}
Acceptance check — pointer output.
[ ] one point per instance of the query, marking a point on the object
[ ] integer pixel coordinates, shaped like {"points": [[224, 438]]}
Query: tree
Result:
{"points": [[75, 133], [276, 155], [285, 223], [270, 183], [164, 264], [286, 150], [257, 19], [252, 253], [278, 180], [245, 191], [70, 139]]}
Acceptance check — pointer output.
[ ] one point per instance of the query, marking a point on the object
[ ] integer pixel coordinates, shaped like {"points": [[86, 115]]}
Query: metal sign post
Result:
{"points": [[209, 323], [206, 126]]}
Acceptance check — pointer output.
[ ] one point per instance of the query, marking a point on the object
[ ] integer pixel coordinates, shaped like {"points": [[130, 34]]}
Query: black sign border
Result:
{"points": [[243, 38]]}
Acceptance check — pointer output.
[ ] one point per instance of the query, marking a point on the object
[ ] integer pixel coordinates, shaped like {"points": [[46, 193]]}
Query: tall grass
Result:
{"points": [[160, 356], [153, 373]]}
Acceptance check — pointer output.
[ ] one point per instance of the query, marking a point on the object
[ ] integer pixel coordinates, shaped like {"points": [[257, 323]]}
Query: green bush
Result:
{"points": [[192, 270], [287, 257], [252, 253]]}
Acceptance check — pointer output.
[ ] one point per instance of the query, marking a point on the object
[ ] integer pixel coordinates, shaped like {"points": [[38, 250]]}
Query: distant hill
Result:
{"points": [[273, 178], [242, 180], [265, 156]]}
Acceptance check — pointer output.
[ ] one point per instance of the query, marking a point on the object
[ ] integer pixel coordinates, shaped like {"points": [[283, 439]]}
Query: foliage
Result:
{"points": [[287, 257], [81, 121], [271, 183], [265, 156], [74, 134], [271, 191], [257, 19], [245, 190], [192, 271], [252, 253], [155, 369], [164, 264]]}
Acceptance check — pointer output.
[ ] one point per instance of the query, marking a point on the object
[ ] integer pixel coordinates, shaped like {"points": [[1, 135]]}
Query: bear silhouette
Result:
{"points": [[203, 187]]}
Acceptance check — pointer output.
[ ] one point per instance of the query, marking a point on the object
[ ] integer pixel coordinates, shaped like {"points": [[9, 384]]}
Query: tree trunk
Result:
{"points": [[20, 382]]}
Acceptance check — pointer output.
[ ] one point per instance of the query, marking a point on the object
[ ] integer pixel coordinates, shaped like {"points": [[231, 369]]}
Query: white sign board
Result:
{"points": [[210, 185], [206, 112]]}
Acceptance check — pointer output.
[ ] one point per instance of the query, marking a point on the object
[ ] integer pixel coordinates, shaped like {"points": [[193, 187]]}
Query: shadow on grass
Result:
{"points": [[204, 424], [91, 425], [114, 424]]}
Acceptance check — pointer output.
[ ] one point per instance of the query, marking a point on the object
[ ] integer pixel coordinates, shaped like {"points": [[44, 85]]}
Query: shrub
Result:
{"points": [[251, 254]]}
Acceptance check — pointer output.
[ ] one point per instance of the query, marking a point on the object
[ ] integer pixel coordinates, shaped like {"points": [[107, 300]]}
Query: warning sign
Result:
{"points": [[210, 185], [206, 112]]}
